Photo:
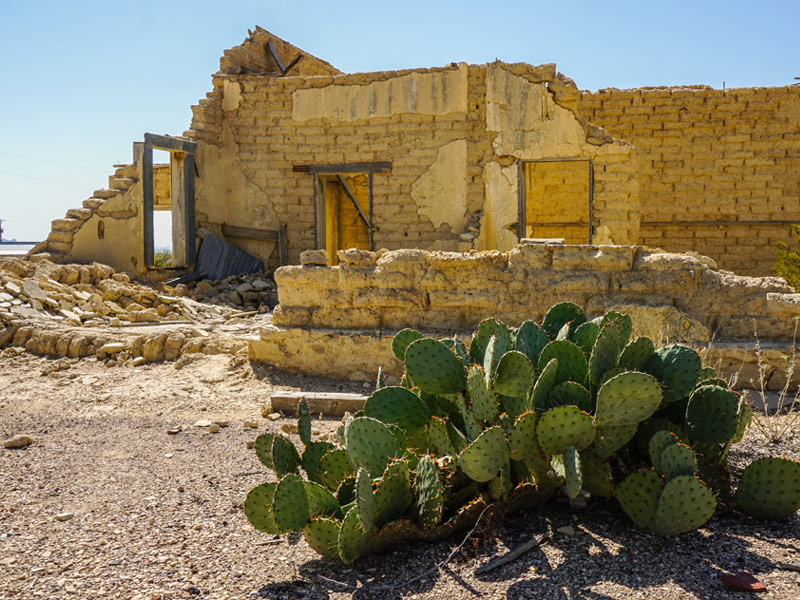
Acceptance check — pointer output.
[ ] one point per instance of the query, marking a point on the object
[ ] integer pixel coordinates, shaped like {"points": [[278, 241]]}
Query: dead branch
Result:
{"points": [[516, 552]]}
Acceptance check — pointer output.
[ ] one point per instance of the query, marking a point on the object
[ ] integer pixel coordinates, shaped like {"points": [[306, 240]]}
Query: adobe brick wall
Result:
{"points": [[714, 156]]}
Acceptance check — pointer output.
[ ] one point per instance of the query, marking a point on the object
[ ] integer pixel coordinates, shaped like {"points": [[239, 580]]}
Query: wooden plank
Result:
{"points": [[268, 235], [221, 260], [277, 58], [293, 63], [362, 167], [147, 209], [352, 197], [167, 142], [331, 404], [193, 276], [190, 223], [283, 248]]}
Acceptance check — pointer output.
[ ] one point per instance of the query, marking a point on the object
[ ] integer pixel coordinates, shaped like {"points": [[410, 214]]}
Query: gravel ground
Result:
{"points": [[158, 516]]}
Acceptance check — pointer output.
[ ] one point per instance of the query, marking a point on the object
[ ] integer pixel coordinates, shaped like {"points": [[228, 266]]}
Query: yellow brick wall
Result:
{"points": [[557, 192], [707, 159]]}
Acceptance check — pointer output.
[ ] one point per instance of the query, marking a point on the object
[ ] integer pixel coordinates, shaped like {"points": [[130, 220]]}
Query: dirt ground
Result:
{"points": [[157, 515]]}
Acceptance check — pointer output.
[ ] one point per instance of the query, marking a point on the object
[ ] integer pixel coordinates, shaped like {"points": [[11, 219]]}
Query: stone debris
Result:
{"points": [[214, 428], [65, 516], [567, 530], [18, 441], [274, 416], [203, 423]]}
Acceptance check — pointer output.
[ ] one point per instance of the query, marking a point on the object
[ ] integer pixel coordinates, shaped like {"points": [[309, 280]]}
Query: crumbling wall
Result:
{"points": [[717, 169], [454, 136], [678, 296]]}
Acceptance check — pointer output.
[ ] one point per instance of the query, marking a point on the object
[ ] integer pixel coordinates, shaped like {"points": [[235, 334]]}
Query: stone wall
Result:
{"points": [[717, 169], [671, 296]]}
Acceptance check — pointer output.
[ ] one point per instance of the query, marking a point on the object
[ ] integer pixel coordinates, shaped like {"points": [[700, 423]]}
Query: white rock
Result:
{"points": [[203, 423], [65, 516], [18, 441]]}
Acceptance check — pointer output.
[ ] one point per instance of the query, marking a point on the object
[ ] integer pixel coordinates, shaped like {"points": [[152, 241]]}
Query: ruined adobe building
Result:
{"points": [[287, 154]]}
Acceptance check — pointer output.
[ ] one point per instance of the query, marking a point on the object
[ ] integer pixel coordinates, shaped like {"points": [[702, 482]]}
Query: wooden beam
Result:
{"points": [[277, 58], [331, 404], [167, 142], [352, 196], [332, 169], [292, 64], [147, 208], [267, 235], [283, 249]]}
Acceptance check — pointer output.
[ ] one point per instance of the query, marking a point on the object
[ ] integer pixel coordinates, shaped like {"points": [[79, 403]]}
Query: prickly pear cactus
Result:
{"points": [[566, 407]]}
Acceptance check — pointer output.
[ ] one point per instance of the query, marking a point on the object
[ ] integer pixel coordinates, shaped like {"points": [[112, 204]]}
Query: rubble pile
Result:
{"points": [[250, 292]]}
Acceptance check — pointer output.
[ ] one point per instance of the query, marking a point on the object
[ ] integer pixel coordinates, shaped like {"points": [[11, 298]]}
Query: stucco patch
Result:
{"points": [[436, 93], [231, 95], [500, 209], [441, 192], [526, 119]]}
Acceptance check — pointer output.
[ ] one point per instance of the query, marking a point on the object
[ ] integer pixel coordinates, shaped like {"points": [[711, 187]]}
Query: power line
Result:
{"points": [[42, 179], [53, 162]]}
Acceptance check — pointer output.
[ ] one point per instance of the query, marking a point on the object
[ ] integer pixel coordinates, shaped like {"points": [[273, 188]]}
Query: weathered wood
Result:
{"points": [[190, 171], [508, 557], [147, 208], [352, 197], [193, 276], [221, 260], [166, 142], [268, 235], [332, 404], [362, 167], [283, 247], [274, 53], [292, 64]]}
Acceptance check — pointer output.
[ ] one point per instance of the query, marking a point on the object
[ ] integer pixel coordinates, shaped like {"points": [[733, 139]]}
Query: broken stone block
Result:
{"points": [[314, 258]]}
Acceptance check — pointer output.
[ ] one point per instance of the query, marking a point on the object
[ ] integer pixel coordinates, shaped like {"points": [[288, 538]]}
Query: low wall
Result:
{"points": [[448, 290]]}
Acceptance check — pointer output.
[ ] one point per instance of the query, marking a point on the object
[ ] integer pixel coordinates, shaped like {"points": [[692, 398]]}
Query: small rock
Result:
{"points": [[744, 581], [214, 428], [65, 516], [18, 441], [250, 425], [221, 423], [274, 416], [567, 530], [203, 423], [251, 444], [314, 258], [138, 361], [169, 455], [174, 431], [289, 427]]}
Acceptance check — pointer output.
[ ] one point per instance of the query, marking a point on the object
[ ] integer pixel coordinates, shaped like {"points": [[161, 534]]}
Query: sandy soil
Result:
{"points": [[159, 516]]}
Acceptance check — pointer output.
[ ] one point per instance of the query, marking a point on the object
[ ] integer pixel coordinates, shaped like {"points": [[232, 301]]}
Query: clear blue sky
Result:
{"points": [[82, 80]]}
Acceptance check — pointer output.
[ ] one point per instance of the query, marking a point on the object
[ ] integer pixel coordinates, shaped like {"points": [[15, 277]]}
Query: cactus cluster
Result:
{"points": [[572, 406]]}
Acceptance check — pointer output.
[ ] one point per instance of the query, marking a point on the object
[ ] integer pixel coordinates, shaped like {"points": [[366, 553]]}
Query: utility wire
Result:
{"points": [[53, 162], [42, 179]]}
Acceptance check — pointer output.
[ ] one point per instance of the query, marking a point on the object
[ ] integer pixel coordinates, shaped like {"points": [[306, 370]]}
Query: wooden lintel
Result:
{"points": [[268, 235], [166, 142], [332, 169]]}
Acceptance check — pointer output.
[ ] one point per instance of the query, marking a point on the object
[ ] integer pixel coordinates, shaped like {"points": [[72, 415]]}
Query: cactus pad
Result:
{"points": [[564, 426], [365, 500], [611, 438], [627, 399], [685, 504], [486, 329], [572, 472], [263, 448], [393, 494], [770, 488], [543, 385], [712, 414], [429, 492], [676, 366], [434, 368], [399, 406], [638, 495], [312, 459], [514, 375], [570, 392], [530, 341], [604, 353], [636, 354], [597, 478], [334, 467], [346, 494], [585, 336], [572, 364], [522, 438], [304, 422], [352, 541], [621, 322], [472, 425], [745, 416], [285, 457], [483, 458], [438, 438], [660, 441], [371, 444], [561, 314], [484, 400], [677, 459], [322, 534], [321, 502], [402, 340], [290, 503], [258, 508]]}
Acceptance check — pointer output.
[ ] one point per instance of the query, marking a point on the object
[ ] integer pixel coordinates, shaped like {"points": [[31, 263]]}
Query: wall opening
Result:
{"points": [[555, 199], [162, 209], [346, 200], [169, 187]]}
